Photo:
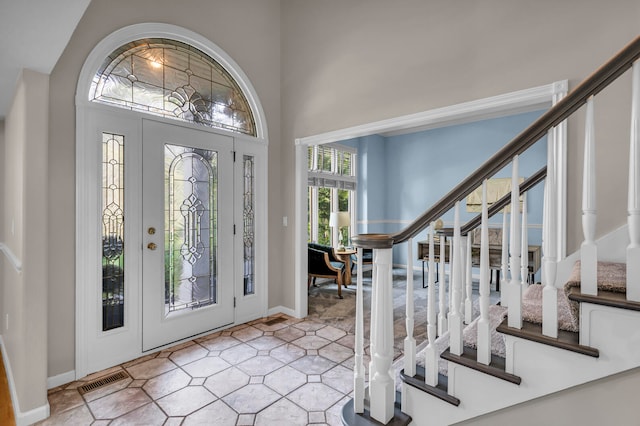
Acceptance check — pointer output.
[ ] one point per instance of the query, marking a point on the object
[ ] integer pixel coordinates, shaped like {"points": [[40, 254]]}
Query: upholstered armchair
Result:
{"points": [[323, 263]]}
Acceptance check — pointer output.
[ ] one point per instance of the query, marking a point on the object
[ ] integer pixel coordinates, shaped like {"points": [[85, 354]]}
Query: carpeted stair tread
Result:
{"points": [[612, 277], [532, 308]]}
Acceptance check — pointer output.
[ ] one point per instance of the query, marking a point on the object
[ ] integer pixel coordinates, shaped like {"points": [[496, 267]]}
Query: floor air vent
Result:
{"points": [[275, 321], [103, 381]]}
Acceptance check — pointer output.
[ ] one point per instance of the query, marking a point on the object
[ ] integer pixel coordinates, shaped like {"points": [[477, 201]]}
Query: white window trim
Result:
{"points": [[510, 103]]}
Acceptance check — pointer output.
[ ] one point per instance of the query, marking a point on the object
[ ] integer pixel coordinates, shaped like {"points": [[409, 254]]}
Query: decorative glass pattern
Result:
{"points": [[172, 79], [191, 182], [112, 231], [249, 225]]}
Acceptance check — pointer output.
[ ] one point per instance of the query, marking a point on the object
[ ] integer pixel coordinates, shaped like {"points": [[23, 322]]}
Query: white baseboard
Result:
{"points": [[282, 310], [22, 418], [61, 379]]}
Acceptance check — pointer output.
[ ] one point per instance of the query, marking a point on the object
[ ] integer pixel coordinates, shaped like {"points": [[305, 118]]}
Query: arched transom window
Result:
{"points": [[172, 79]]}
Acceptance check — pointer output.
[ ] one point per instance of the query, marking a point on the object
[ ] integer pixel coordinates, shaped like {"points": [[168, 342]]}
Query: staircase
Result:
{"points": [[580, 325]]}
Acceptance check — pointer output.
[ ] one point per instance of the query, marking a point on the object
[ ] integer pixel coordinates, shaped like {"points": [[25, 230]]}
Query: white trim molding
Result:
{"points": [[61, 379], [22, 418], [13, 259], [531, 99]]}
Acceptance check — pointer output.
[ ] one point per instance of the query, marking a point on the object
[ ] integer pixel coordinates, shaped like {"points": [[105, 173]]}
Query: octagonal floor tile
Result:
{"points": [[251, 399], [166, 383], [315, 396], [186, 401], [285, 380], [283, 409], [217, 413], [226, 381]]}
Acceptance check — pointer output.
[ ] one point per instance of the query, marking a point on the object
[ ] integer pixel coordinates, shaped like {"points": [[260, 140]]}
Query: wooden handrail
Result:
{"points": [[591, 86]]}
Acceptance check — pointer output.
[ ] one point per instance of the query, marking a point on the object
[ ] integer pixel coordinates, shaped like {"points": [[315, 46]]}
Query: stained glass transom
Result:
{"points": [[112, 231], [190, 224], [249, 225], [172, 79]]}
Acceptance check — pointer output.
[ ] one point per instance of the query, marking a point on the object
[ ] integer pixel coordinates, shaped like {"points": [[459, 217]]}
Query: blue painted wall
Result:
{"points": [[400, 177]]}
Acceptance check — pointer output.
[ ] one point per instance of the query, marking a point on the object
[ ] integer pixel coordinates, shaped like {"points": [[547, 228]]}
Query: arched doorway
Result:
{"points": [[171, 153]]}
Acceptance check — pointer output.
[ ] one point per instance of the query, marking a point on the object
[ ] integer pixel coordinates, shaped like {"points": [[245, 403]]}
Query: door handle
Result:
{"points": [[152, 246]]}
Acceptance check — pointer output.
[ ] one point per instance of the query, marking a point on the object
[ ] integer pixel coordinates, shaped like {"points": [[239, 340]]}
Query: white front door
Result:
{"points": [[187, 242]]}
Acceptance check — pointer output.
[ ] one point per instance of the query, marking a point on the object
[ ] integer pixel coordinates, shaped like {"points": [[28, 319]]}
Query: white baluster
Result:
{"points": [[358, 368], [431, 358], [633, 250], [589, 250], [549, 250], [484, 329], [455, 287], [524, 265], [468, 303], [515, 287], [381, 385], [442, 295], [463, 275], [504, 266], [409, 341]]}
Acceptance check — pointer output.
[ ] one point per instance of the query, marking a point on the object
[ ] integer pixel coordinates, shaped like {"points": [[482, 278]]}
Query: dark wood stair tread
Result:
{"points": [[496, 368], [439, 391], [349, 417], [566, 339], [606, 298]]}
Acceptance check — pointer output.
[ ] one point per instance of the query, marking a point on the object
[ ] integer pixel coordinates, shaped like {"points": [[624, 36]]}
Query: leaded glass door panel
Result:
{"points": [[188, 232]]}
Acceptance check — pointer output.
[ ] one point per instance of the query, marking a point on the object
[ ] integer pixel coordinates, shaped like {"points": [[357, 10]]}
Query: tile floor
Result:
{"points": [[293, 372]]}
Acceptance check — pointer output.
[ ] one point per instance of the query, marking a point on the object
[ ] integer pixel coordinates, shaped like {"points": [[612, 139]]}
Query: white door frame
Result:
{"points": [[87, 199], [511, 103]]}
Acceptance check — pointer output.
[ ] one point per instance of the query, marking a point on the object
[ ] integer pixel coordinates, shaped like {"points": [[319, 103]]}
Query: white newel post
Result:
{"points": [[484, 329], [589, 250], [504, 266], [431, 358], [515, 287], [455, 287], [549, 250], [358, 368], [381, 385], [468, 303], [524, 265], [442, 295], [633, 250], [410, 341]]}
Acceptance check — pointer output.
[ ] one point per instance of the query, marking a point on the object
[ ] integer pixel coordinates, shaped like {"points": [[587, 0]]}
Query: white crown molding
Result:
{"points": [[13, 259], [481, 109]]}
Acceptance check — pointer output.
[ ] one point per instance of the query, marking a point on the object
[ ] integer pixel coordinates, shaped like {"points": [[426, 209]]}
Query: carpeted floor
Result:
{"points": [[325, 307]]}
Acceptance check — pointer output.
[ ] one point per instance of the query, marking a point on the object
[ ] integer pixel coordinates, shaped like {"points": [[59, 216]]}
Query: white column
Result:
{"points": [[468, 303], [633, 250], [549, 250], [381, 386], [524, 265], [442, 295], [504, 266], [431, 358], [455, 287], [409, 341], [358, 368], [484, 329], [515, 287], [589, 250]]}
